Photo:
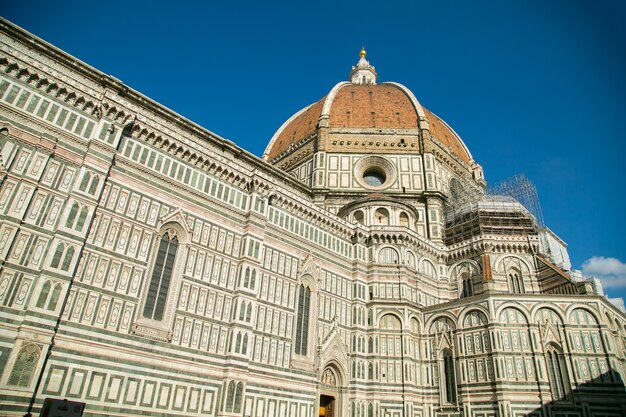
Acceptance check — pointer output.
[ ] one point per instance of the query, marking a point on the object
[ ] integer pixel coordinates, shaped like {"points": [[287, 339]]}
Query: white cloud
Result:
{"points": [[611, 271]]}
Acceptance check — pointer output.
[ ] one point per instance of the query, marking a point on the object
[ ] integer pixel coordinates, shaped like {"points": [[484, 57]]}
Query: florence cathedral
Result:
{"points": [[360, 268]]}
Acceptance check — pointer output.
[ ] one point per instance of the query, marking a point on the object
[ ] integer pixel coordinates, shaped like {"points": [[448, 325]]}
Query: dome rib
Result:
{"points": [[297, 128], [446, 135]]}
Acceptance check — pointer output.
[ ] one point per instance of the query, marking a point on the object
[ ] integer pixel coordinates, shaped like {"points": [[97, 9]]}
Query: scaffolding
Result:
{"points": [[523, 190], [508, 208], [492, 215]]}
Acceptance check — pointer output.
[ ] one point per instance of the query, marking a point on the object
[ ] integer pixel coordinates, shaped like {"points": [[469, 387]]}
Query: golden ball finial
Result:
{"points": [[362, 53]]}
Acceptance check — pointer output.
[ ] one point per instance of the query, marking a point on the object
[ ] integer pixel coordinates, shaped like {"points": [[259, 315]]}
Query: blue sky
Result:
{"points": [[532, 87]]}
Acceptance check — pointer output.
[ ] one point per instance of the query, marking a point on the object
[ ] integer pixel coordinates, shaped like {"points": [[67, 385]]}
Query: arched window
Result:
{"points": [[56, 259], [370, 410], [415, 326], [381, 216], [246, 278], [70, 218], [24, 366], [54, 299], [242, 311], [449, 377], [468, 286], [428, 269], [244, 346], [230, 397], [85, 181], [253, 279], [81, 219], [238, 398], [404, 219], [370, 371], [94, 185], [67, 260], [238, 343], [359, 217], [390, 322], [410, 260], [557, 373], [370, 345], [43, 295], [161, 277], [516, 285], [249, 313], [302, 328], [388, 256]]}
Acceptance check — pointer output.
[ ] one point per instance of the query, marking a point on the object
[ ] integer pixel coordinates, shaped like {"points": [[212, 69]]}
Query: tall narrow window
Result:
{"points": [[302, 328], [56, 259], [230, 397], [54, 298], [81, 218], [161, 277], [85, 182], [556, 372], [70, 218], [246, 278], [516, 286], [242, 311], [67, 260], [238, 343], [24, 366], [449, 376], [468, 287], [238, 398], [94, 185], [43, 295]]}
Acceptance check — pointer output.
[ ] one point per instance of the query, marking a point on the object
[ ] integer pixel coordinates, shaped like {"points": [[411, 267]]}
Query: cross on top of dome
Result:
{"points": [[363, 73]]}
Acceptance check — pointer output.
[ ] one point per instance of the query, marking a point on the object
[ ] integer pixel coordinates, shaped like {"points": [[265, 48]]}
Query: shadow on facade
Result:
{"points": [[604, 396]]}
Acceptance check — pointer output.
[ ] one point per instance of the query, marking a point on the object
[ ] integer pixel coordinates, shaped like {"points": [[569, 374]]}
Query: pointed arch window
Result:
{"points": [[70, 218], [56, 259], [161, 277], [230, 397], [449, 377], [47, 300], [467, 289], [246, 278], [238, 398], [94, 184], [81, 218], [43, 295], [242, 311], [234, 397], [24, 366], [516, 285], [85, 182], [302, 327], [557, 373], [67, 260]]}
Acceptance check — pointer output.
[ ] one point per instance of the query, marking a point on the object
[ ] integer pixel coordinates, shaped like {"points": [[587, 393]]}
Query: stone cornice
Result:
{"points": [[121, 104]]}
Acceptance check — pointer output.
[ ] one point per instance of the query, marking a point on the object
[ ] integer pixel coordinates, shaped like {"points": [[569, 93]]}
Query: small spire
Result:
{"points": [[363, 73]]}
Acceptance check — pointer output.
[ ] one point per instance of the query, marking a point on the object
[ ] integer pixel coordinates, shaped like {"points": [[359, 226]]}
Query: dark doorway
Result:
{"points": [[327, 406]]}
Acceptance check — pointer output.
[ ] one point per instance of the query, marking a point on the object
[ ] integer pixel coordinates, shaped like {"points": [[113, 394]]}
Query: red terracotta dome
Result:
{"points": [[364, 104]]}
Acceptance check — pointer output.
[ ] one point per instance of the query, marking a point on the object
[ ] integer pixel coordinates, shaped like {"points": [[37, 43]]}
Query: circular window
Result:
{"points": [[374, 178], [375, 172]]}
